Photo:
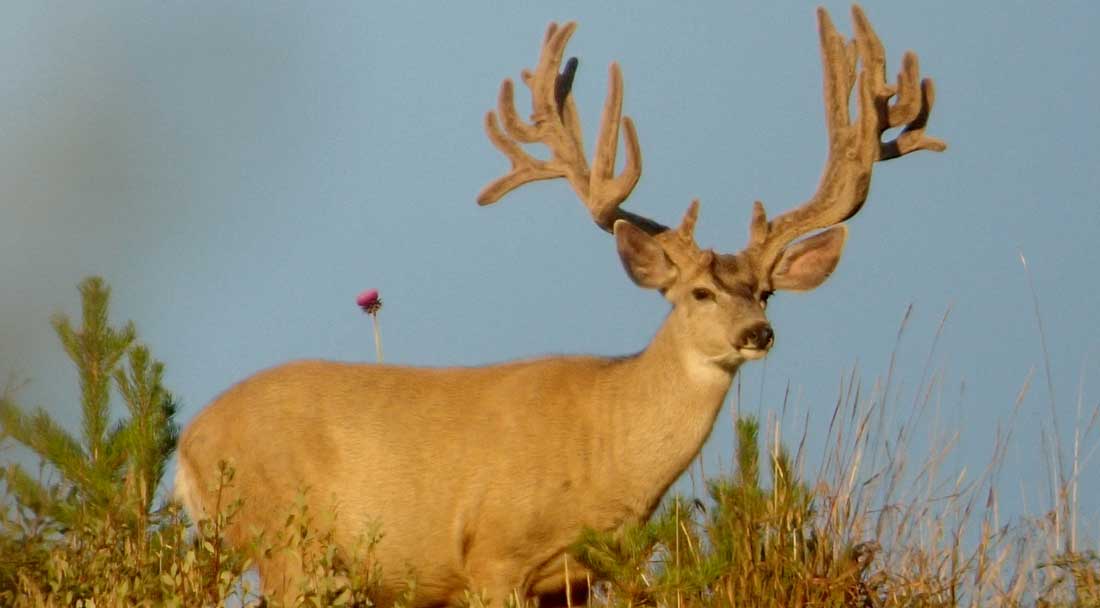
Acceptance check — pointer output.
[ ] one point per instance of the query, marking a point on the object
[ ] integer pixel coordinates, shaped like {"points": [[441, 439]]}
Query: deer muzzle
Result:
{"points": [[755, 340]]}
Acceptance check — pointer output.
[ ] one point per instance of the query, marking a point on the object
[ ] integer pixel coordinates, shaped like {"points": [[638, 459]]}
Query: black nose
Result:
{"points": [[758, 336]]}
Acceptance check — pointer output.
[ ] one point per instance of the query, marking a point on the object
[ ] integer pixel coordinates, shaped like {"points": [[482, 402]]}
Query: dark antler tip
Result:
{"points": [[563, 83]]}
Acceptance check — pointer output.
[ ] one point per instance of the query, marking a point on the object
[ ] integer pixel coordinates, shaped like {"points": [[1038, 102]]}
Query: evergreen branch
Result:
{"points": [[150, 436], [41, 500], [69, 338], [28, 491], [95, 485], [95, 349], [43, 436], [116, 446], [748, 452], [140, 385], [167, 436], [60, 450]]}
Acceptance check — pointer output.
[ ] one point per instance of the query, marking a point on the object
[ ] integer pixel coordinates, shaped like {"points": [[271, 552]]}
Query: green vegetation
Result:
{"points": [[871, 529]]}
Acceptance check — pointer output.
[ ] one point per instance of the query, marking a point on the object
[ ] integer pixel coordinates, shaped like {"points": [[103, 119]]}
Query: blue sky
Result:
{"points": [[238, 174]]}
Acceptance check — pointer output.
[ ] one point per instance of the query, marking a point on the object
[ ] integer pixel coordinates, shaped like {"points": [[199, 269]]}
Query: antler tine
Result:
{"points": [[679, 243], [854, 146], [913, 103], [556, 124]]}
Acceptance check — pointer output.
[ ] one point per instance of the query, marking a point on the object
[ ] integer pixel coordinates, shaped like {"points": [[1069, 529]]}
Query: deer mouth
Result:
{"points": [[752, 352]]}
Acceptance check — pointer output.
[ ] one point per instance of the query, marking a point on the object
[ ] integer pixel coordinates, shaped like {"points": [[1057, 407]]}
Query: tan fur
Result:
{"points": [[481, 477]]}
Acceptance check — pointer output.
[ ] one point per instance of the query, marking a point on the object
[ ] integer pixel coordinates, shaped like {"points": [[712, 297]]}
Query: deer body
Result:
{"points": [[480, 478], [512, 460]]}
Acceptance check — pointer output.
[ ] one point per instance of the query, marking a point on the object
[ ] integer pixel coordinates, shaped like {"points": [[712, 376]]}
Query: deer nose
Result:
{"points": [[759, 336]]}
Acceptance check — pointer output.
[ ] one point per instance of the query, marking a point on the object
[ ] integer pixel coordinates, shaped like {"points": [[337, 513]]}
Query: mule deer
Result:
{"points": [[482, 477]]}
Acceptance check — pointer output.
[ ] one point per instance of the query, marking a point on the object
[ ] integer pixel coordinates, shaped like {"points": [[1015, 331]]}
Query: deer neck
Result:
{"points": [[670, 399]]}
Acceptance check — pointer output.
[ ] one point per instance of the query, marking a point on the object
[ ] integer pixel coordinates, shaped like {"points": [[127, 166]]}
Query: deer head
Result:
{"points": [[719, 298]]}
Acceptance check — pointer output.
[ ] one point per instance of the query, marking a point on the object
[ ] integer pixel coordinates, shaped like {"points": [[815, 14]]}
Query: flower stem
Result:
{"points": [[377, 338]]}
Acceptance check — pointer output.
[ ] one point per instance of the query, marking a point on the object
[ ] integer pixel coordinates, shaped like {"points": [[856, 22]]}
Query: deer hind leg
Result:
{"points": [[561, 582], [504, 592], [499, 583]]}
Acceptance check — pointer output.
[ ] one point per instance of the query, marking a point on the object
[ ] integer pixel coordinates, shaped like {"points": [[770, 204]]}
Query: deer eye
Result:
{"points": [[701, 294]]}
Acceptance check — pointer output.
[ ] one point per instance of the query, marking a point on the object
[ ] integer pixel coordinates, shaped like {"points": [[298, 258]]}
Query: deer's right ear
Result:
{"points": [[643, 257]]}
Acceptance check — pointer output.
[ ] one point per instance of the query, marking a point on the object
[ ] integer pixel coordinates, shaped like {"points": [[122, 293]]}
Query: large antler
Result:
{"points": [[854, 146], [556, 124]]}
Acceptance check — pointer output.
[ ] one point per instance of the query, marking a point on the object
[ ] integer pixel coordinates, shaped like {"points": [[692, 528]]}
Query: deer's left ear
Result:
{"points": [[807, 263]]}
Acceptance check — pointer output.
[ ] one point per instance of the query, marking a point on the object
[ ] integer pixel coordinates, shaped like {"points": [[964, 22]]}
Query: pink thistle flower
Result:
{"points": [[371, 304], [369, 301]]}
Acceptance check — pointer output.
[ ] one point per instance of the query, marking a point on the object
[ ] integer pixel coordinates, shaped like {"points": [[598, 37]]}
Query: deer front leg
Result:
{"points": [[280, 575]]}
